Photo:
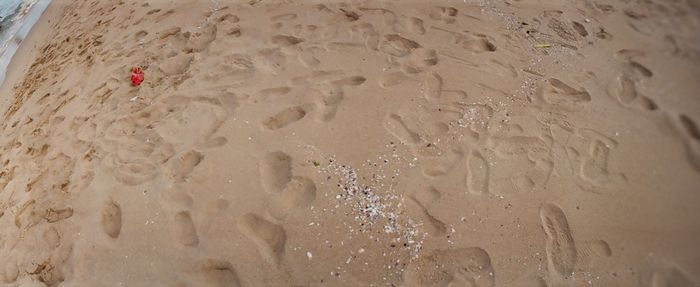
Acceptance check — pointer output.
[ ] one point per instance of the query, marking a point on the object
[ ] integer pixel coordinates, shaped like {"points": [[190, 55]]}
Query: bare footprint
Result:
{"points": [[299, 194], [691, 136], [52, 237], [443, 164], [433, 86], [130, 173], [444, 14], [594, 167], [670, 277], [284, 118], [420, 201], [395, 125], [423, 57], [398, 46], [270, 238], [308, 59], [392, 79], [112, 219], [215, 273], [176, 65], [275, 171], [184, 230], [559, 93], [180, 167], [285, 41], [271, 93], [54, 215], [560, 247], [415, 25], [580, 29], [451, 267], [476, 43], [626, 90], [477, 173]]}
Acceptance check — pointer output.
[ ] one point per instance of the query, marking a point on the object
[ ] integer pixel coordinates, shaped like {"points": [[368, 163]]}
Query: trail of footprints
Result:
{"points": [[132, 151]]}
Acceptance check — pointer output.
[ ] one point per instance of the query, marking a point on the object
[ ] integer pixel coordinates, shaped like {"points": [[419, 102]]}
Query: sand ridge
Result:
{"points": [[356, 143]]}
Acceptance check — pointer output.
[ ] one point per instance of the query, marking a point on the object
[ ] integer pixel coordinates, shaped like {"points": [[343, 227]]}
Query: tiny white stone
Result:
{"points": [[308, 254]]}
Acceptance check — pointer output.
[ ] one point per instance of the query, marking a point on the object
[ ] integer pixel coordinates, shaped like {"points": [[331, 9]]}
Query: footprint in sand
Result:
{"points": [[433, 86], [476, 43], [9, 272], [112, 219], [215, 273], [269, 238], [443, 164], [556, 92], [624, 90], [51, 237], [477, 173], [202, 39], [670, 277], [415, 25], [451, 267], [55, 215], [562, 29], [308, 59], [419, 202], [184, 230], [181, 166], [419, 60], [395, 125], [594, 166], [691, 135], [189, 121], [228, 17], [275, 171], [284, 17], [391, 79], [624, 87], [271, 93], [445, 14], [284, 118], [560, 247], [285, 41], [369, 34], [579, 28], [327, 100], [299, 193], [331, 93], [176, 65], [398, 46]]}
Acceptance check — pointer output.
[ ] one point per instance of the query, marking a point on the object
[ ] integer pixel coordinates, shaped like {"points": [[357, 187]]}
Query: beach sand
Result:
{"points": [[354, 143]]}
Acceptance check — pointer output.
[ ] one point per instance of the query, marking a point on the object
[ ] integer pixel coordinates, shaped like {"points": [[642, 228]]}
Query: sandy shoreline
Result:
{"points": [[21, 32], [353, 144]]}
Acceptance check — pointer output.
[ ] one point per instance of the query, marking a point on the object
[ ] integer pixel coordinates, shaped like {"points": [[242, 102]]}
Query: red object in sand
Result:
{"points": [[136, 76]]}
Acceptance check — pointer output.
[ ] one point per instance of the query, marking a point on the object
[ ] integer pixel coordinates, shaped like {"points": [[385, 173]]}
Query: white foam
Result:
{"points": [[18, 31]]}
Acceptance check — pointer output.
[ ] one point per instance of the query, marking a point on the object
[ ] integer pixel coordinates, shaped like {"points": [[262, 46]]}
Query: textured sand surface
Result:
{"points": [[354, 143]]}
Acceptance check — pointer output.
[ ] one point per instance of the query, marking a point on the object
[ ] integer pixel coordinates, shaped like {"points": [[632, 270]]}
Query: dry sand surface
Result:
{"points": [[354, 143]]}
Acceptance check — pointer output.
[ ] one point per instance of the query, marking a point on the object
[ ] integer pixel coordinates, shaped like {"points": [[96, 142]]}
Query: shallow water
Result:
{"points": [[17, 18]]}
